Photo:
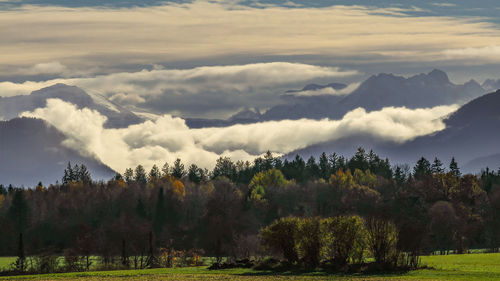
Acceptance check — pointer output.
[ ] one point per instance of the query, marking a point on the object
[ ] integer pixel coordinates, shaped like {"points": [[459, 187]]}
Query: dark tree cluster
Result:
{"points": [[159, 217]]}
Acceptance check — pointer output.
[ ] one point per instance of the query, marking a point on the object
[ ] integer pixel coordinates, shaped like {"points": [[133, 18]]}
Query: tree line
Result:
{"points": [[170, 214]]}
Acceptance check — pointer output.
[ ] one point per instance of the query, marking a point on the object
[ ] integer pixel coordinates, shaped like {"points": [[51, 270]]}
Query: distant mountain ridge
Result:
{"points": [[491, 84], [378, 91], [11, 107], [31, 150]]}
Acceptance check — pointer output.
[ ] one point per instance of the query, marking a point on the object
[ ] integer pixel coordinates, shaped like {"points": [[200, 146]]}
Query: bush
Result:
{"points": [[73, 261], [45, 263], [382, 240], [344, 239], [308, 241], [279, 237]]}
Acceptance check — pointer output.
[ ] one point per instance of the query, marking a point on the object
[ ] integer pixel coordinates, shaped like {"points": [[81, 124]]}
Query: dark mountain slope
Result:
{"points": [[472, 136], [32, 151]]}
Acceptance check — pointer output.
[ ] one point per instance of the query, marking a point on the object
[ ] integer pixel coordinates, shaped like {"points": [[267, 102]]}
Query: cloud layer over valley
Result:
{"points": [[194, 91], [167, 137]]}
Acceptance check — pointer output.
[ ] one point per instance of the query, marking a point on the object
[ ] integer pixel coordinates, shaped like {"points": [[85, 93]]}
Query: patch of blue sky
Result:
{"points": [[466, 8]]}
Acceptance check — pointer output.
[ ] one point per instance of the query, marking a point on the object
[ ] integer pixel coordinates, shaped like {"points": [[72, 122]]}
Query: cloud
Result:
{"points": [[54, 67], [166, 138], [211, 30], [444, 4], [487, 53], [195, 90], [325, 91], [123, 98]]}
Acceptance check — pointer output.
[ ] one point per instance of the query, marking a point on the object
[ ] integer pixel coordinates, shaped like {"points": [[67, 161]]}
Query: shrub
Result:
{"points": [[279, 237], [344, 239], [308, 241], [45, 263], [382, 240]]}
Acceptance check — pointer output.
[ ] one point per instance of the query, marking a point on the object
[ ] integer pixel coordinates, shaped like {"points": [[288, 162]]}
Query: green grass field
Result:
{"points": [[5, 262], [451, 267]]}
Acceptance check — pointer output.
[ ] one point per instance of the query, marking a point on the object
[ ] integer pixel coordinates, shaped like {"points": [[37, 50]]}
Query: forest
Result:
{"points": [[331, 212]]}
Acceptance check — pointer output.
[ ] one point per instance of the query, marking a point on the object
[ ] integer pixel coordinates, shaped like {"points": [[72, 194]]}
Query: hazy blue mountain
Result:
{"points": [[378, 91], [32, 151], [471, 136], [381, 90], [491, 84], [11, 107], [422, 90]]}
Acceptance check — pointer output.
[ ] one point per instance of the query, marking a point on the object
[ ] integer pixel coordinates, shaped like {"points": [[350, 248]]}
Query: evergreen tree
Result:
{"points": [[76, 173], [154, 174], [165, 170], [195, 173], [336, 162], [422, 169], [140, 176], [84, 175], [312, 169], [454, 168], [268, 161], [298, 171], [68, 175], [359, 160], [178, 169], [129, 175], [224, 167], [324, 166], [399, 175], [278, 164], [437, 166]]}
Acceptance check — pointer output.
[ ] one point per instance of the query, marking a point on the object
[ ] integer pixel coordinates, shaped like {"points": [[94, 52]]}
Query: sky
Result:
{"points": [[130, 50], [213, 58]]}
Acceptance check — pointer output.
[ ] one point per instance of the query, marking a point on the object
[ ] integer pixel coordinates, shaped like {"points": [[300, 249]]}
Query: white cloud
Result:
{"points": [[292, 4], [155, 82], [166, 138], [487, 53], [127, 98], [54, 67], [326, 91], [219, 29], [444, 4], [195, 90]]}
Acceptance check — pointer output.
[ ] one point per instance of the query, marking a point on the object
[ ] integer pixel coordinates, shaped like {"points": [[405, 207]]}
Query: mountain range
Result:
{"points": [[378, 91], [118, 116], [471, 134]]}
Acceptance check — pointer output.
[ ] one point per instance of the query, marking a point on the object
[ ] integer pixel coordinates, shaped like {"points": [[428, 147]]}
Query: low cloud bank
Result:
{"points": [[166, 138], [189, 91]]}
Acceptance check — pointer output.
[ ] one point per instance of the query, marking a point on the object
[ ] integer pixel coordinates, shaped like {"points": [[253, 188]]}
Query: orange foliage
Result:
{"points": [[121, 183], [178, 188], [74, 186]]}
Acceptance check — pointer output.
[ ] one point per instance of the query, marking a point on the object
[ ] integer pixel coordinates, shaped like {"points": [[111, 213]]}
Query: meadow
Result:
{"points": [[448, 267]]}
